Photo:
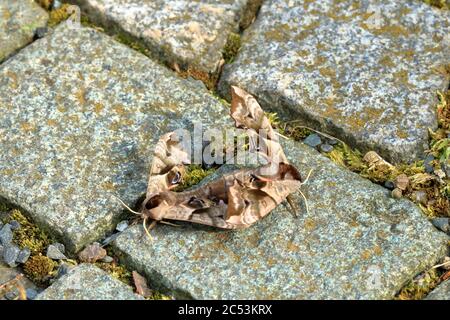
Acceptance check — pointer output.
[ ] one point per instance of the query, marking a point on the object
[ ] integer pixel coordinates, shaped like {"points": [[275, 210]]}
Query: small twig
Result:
{"points": [[441, 265], [15, 282], [281, 135], [316, 131]]}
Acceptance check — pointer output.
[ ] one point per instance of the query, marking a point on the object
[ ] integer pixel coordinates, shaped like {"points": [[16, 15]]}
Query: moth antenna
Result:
{"points": [[306, 201], [279, 134], [307, 177], [126, 207], [291, 204], [170, 224], [144, 224]]}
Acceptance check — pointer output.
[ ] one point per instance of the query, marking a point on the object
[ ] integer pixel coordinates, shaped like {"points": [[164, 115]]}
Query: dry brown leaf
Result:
{"points": [[401, 182], [445, 276], [373, 159], [92, 253], [141, 285], [14, 283]]}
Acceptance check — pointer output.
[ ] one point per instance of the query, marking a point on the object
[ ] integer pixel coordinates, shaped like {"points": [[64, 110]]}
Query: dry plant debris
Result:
{"points": [[14, 284], [92, 253]]}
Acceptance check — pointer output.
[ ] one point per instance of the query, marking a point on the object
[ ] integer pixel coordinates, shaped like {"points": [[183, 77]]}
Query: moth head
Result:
{"points": [[166, 181], [157, 206]]}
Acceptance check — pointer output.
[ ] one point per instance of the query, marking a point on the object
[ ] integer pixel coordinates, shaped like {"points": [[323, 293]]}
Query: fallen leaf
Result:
{"points": [[445, 276], [141, 285], [401, 182], [92, 253]]}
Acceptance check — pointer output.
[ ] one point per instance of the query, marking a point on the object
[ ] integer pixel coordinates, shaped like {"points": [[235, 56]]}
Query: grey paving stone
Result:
{"points": [[73, 286], [188, 32], [18, 21], [356, 242], [442, 292], [364, 71], [79, 117]]}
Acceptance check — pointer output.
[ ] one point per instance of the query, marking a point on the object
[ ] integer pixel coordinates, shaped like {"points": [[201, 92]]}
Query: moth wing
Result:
{"points": [[211, 216]]}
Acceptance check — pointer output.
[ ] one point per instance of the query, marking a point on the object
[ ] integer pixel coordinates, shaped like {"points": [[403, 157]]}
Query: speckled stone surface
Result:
{"points": [[188, 32], [88, 282], [79, 115], [365, 71], [441, 292], [356, 242], [18, 21]]}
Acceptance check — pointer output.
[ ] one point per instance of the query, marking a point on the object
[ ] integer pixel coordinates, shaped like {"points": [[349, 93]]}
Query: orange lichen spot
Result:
{"points": [[27, 127], [52, 122], [80, 96], [98, 107]]}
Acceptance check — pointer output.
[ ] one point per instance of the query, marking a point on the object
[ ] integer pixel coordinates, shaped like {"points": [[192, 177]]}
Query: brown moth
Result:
{"points": [[234, 201]]}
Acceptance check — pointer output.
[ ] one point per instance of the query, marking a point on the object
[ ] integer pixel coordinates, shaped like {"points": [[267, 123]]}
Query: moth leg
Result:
{"points": [[170, 224], [152, 225], [306, 201], [293, 210]]}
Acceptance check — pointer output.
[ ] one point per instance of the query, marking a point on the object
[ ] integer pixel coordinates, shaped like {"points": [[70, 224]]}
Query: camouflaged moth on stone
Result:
{"points": [[234, 201]]}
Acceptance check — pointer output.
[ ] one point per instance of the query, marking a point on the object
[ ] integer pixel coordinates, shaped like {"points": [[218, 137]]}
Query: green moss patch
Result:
{"points": [[442, 4], [231, 47], [39, 268], [194, 174], [419, 287], [28, 235]]}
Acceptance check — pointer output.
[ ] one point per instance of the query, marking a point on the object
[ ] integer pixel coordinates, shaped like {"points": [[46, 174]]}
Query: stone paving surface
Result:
{"points": [[18, 22], [442, 292], [190, 33], [88, 282], [355, 243], [79, 115], [365, 71]]}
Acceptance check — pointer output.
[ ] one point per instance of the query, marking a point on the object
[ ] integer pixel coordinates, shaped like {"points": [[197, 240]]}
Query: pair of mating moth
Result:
{"points": [[234, 201]]}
